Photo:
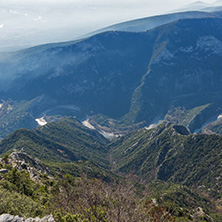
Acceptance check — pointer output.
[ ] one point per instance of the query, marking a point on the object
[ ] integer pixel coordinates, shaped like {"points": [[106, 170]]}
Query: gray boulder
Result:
{"points": [[11, 218]]}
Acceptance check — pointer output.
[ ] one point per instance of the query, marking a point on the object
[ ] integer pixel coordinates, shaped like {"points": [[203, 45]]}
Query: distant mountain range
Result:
{"points": [[144, 24], [202, 6], [132, 77]]}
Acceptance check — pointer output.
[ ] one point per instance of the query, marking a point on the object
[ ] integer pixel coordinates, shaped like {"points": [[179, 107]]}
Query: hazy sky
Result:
{"points": [[31, 22]]}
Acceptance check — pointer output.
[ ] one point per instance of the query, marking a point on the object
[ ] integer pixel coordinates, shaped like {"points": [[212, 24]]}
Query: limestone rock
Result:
{"points": [[11, 218]]}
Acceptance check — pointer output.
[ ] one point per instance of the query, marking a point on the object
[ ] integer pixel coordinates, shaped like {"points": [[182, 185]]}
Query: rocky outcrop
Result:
{"points": [[11, 218], [23, 161], [200, 214]]}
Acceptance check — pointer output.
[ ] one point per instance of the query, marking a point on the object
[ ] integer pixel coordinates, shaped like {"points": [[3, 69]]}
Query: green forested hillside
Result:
{"points": [[169, 168], [64, 141], [169, 153]]}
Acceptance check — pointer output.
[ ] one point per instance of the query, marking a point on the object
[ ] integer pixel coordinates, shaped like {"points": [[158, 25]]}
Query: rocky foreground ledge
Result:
{"points": [[11, 218]]}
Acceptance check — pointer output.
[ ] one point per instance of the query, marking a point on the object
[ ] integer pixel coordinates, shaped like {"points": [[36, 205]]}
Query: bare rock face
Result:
{"points": [[11, 218]]}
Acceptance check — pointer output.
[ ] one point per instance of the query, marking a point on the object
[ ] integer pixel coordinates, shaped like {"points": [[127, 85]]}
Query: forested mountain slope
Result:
{"points": [[128, 77]]}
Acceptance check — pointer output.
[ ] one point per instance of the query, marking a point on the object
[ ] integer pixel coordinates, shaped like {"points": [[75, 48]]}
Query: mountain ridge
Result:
{"points": [[122, 75]]}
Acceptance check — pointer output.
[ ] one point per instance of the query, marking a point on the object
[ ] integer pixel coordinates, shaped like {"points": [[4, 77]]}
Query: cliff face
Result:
{"points": [[184, 69]]}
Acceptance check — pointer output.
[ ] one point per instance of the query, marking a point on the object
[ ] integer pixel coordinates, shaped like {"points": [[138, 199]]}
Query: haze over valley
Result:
{"points": [[28, 23]]}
